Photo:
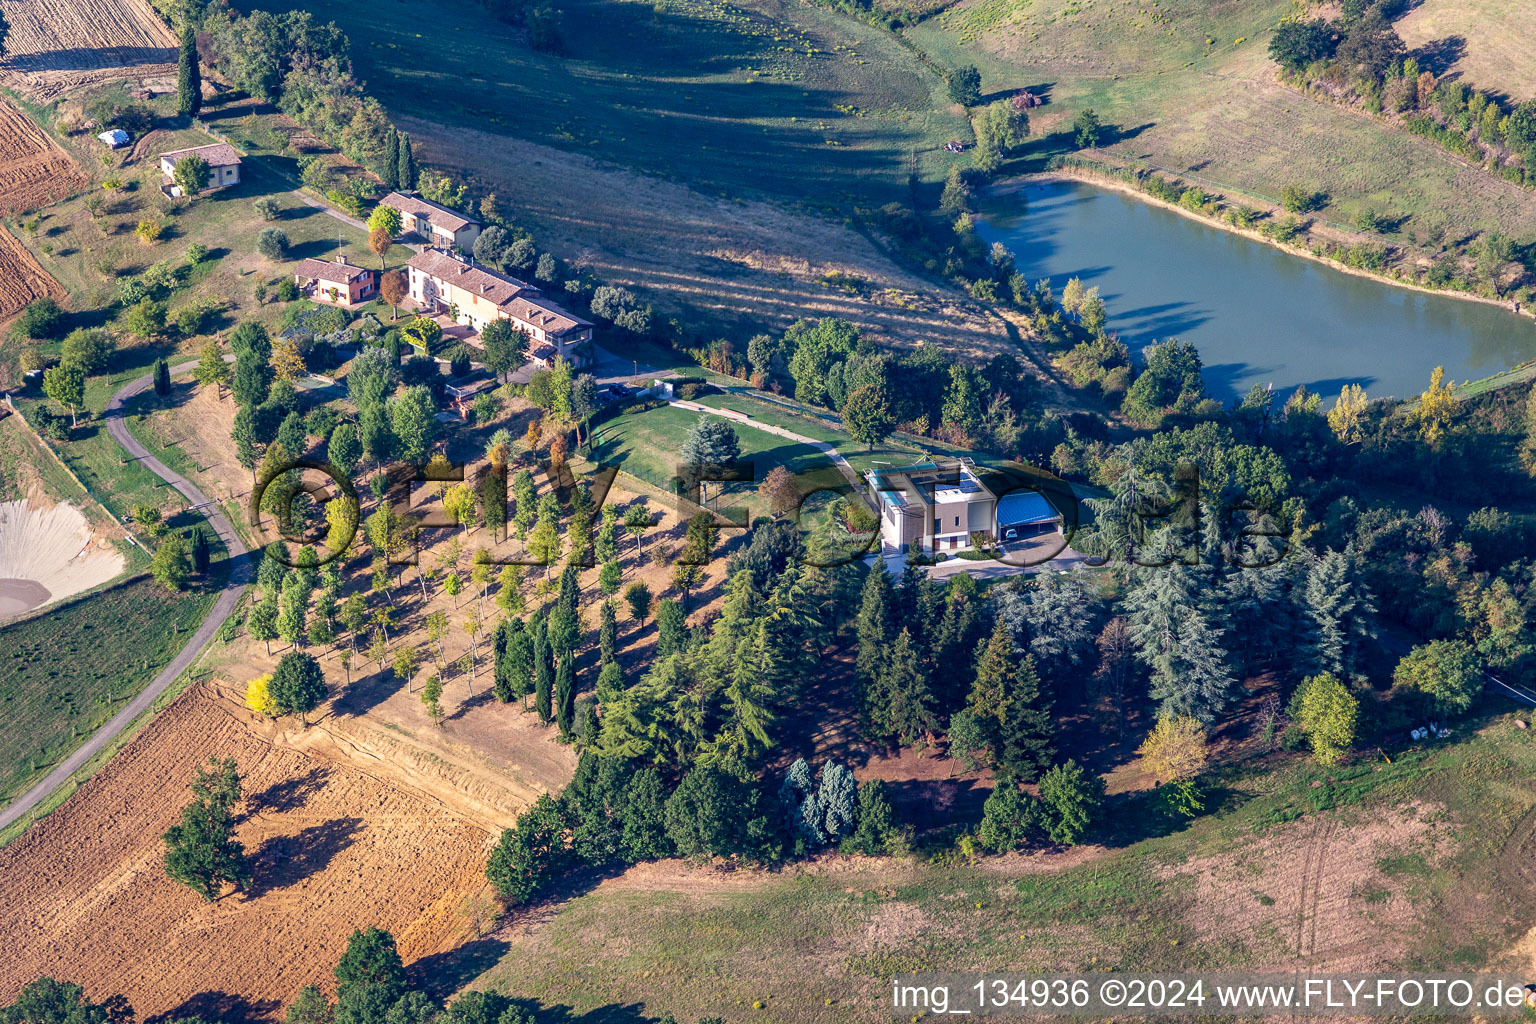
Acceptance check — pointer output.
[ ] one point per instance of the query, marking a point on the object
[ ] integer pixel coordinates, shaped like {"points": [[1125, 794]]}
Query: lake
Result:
{"points": [[1257, 314]]}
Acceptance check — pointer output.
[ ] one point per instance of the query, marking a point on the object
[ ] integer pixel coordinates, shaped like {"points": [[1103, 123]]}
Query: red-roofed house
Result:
{"points": [[441, 281], [439, 225], [336, 282]]}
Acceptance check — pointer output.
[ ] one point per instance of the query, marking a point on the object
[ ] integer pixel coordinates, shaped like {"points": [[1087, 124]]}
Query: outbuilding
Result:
{"points": [[115, 138], [1022, 515]]}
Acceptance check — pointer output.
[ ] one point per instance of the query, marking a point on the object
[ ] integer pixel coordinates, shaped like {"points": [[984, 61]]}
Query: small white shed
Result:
{"points": [[115, 138]]}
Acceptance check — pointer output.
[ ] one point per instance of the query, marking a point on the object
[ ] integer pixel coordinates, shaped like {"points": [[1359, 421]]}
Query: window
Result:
{"points": [[957, 520]]}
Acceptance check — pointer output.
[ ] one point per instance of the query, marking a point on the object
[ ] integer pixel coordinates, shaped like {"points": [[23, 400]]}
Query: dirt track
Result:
{"points": [[334, 848]]}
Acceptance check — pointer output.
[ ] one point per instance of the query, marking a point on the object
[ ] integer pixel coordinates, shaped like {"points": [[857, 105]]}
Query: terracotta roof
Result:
{"points": [[330, 270], [545, 315], [471, 277], [440, 215], [217, 155]]}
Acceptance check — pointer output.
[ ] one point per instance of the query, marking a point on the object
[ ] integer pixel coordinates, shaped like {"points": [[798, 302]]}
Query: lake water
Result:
{"points": [[1257, 314]]}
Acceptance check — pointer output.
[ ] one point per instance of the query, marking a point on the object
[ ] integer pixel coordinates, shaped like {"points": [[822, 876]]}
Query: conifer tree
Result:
{"points": [[189, 76], [565, 693], [903, 708], [607, 633], [1013, 715], [1336, 608], [391, 168], [407, 171], [162, 379], [874, 633], [543, 670], [1199, 683]]}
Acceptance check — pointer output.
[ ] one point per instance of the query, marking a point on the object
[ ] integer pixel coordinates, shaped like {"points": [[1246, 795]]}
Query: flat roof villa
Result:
{"points": [[942, 504]]}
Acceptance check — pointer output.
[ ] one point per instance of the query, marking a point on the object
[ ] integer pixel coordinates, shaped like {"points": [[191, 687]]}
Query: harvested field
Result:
{"points": [[1492, 38], [334, 848], [744, 266], [22, 278], [58, 45]]}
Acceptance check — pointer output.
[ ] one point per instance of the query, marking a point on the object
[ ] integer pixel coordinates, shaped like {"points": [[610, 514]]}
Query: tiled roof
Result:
{"points": [[489, 285], [545, 315], [440, 216], [217, 155], [330, 270]]}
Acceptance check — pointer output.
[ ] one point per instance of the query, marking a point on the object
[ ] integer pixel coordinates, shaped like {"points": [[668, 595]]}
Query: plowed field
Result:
{"points": [[22, 279], [33, 172], [56, 45], [333, 848]]}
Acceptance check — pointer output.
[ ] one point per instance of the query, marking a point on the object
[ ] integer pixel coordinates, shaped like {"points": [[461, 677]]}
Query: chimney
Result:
{"points": [[341, 258]]}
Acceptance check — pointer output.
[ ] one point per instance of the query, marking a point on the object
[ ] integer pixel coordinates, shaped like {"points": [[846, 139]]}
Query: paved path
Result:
{"points": [[741, 417], [326, 208], [238, 571]]}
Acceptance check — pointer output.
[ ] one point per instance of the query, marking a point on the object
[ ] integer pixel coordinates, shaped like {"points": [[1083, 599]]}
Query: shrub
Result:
{"points": [[40, 318], [267, 208], [272, 243], [287, 290]]}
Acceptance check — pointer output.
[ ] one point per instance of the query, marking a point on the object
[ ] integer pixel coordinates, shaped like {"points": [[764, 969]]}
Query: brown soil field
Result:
{"points": [[58, 45], [22, 279], [335, 847], [745, 266]]}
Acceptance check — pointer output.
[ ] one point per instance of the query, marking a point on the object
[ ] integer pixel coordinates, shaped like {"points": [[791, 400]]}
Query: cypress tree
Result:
{"points": [[608, 633], [189, 76], [391, 169], [200, 553], [565, 693], [543, 671], [162, 378], [407, 172]]}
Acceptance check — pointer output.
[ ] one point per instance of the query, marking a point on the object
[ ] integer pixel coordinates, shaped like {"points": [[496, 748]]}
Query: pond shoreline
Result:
{"points": [[1014, 185]]}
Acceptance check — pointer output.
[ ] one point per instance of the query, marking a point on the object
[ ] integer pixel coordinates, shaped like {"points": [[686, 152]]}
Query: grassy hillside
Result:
{"points": [[1191, 89], [771, 95], [1359, 867], [1494, 35]]}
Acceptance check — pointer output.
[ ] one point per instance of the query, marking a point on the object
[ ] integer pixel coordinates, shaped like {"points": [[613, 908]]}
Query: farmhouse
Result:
{"points": [[439, 225], [336, 282], [444, 282], [222, 160]]}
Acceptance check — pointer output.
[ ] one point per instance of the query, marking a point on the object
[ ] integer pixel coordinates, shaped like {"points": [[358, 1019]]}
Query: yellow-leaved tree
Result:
{"points": [[258, 696], [1175, 749], [1435, 407], [1346, 415]]}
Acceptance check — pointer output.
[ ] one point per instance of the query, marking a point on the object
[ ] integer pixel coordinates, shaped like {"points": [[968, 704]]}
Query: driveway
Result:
{"points": [[222, 607]]}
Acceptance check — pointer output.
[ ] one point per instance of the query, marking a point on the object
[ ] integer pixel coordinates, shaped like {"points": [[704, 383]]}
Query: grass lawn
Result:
{"points": [[770, 95], [1191, 89], [1410, 850], [66, 671], [646, 445]]}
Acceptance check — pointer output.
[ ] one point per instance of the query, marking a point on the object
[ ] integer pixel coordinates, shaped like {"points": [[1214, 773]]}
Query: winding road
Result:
{"points": [[238, 575]]}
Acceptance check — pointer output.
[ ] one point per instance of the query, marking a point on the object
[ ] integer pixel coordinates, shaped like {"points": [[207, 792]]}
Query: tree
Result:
{"points": [[88, 348], [170, 566], [506, 346], [1175, 749], [371, 960], [298, 685], [385, 219], [1008, 816], [874, 631], [1069, 802], [565, 693], [1296, 44], [867, 416], [212, 370], [1087, 128], [161, 378], [407, 661], [1436, 406], [261, 624], [393, 288], [1336, 613], [272, 243], [191, 176], [1000, 128], [1327, 712], [530, 854], [311, 1007], [65, 384], [201, 851], [189, 75], [431, 699], [1446, 672], [1372, 45], [778, 491], [903, 709], [1494, 253], [1013, 714], [258, 694], [965, 86], [877, 832], [638, 597], [46, 1001], [407, 171], [1345, 418], [413, 421], [636, 522]]}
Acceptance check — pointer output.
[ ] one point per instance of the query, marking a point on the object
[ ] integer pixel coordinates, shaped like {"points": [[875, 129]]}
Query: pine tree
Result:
{"points": [[1198, 683], [903, 708], [1014, 716], [565, 693], [1336, 610], [407, 173], [189, 75], [391, 169], [874, 634]]}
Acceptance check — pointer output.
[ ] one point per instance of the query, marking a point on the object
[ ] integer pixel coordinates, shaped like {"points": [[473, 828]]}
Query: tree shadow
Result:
{"points": [[485, 696], [366, 692], [283, 860], [225, 1007], [1438, 55], [440, 975], [287, 795]]}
